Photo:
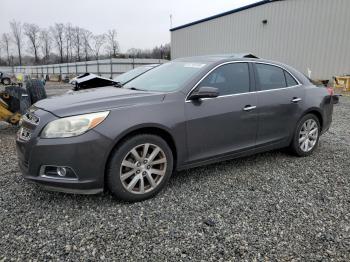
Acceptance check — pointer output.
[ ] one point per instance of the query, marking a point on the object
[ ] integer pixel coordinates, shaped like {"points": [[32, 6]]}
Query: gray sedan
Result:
{"points": [[182, 114]]}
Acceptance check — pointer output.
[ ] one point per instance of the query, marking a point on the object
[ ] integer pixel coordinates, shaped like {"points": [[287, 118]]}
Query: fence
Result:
{"points": [[107, 68]]}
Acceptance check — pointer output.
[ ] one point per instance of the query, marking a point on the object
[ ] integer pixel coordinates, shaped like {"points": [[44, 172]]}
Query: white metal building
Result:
{"points": [[306, 34]]}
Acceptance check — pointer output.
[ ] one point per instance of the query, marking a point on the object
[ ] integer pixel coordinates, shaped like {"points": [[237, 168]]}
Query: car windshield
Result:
{"points": [[167, 77], [123, 78]]}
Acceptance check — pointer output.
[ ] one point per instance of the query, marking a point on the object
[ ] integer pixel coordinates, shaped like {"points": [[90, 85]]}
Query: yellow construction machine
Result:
{"points": [[15, 99]]}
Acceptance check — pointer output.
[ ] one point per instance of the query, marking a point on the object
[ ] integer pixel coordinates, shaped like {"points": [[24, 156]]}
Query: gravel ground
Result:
{"points": [[270, 206]]}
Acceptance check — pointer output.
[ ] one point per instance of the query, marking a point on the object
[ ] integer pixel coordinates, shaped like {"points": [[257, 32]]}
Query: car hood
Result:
{"points": [[97, 99]]}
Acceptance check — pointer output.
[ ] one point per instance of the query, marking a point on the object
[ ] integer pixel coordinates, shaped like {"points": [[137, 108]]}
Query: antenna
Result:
{"points": [[171, 21]]}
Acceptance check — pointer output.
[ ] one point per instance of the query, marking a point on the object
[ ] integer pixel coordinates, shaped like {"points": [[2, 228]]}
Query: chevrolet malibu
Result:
{"points": [[182, 114]]}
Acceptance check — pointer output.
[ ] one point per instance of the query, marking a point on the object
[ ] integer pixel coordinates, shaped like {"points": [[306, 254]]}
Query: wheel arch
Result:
{"points": [[144, 129], [317, 112]]}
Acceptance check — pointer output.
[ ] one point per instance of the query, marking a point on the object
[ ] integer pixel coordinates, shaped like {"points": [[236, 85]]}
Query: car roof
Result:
{"points": [[221, 58], [217, 57]]}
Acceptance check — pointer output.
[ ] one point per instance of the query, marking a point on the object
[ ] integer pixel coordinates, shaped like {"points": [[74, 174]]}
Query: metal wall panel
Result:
{"points": [[312, 34]]}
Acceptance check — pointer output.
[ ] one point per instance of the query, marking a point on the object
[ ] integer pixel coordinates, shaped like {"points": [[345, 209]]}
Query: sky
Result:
{"points": [[139, 24]]}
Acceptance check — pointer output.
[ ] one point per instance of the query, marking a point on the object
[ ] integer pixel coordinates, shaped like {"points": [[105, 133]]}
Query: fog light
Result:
{"points": [[61, 171]]}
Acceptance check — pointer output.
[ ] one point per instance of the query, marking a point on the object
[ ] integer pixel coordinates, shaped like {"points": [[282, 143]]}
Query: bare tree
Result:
{"points": [[6, 45], [46, 43], [112, 46], [32, 31], [66, 42], [16, 28], [159, 52], [58, 35], [68, 35], [77, 41], [86, 35], [134, 52], [97, 43]]}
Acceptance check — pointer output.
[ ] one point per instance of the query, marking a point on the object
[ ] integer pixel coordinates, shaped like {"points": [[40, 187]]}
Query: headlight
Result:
{"points": [[73, 126]]}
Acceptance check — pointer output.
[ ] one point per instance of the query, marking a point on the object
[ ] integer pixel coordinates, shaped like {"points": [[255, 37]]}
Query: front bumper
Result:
{"points": [[86, 155]]}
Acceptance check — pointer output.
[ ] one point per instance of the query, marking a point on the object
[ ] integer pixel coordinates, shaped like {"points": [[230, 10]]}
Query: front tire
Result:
{"points": [[306, 136], [139, 168]]}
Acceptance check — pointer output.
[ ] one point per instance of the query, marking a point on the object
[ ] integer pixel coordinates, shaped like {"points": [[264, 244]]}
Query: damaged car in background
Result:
{"points": [[89, 80]]}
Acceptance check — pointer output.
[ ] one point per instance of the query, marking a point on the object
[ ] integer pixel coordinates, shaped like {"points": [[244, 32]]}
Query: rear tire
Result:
{"points": [[139, 168], [306, 136]]}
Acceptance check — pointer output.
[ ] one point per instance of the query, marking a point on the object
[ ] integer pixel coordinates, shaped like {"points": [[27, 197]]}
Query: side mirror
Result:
{"points": [[204, 92]]}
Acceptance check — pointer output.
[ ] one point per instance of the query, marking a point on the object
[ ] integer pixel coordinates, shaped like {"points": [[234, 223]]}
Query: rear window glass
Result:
{"points": [[290, 80], [270, 77]]}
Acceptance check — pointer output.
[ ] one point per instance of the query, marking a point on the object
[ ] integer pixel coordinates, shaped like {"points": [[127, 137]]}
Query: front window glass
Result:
{"points": [[229, 79], [167, 77]]}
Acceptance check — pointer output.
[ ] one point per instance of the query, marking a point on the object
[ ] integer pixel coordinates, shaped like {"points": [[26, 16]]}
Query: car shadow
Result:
{"points": [[215, 168], [200, 174]]}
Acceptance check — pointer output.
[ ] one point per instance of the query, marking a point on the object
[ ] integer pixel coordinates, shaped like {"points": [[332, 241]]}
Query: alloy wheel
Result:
{"points": [[143, 168], [308, 135]]}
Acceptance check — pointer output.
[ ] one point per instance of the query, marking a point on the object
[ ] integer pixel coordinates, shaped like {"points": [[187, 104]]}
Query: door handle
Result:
{"points": [[249, 108], [296, 99]]}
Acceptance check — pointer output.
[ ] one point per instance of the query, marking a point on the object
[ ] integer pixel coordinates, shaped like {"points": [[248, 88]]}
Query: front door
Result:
{"points": [[227, 123]]}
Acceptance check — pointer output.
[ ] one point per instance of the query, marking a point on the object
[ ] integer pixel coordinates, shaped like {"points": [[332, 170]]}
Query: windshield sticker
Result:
{"points": [[194, 65]]}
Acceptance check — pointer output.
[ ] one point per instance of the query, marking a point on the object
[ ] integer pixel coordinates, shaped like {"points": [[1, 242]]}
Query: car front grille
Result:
{"points": [[31, 118]]}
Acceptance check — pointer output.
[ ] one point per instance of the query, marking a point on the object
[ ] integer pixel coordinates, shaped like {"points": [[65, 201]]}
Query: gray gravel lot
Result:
{"points": [[270, 206]]}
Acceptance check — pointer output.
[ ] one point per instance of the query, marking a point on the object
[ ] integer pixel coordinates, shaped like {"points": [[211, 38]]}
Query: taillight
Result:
{"points": [[330, 91]]}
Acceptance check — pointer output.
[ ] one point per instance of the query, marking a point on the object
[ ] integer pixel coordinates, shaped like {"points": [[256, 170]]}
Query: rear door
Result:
{"points": [[227, 123], [280, 101]]}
